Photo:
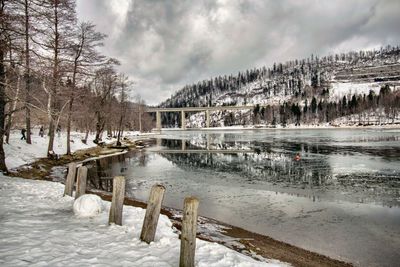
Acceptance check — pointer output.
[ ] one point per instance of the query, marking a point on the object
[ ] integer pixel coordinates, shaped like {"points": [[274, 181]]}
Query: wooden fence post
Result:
{"points": [[69, 183], [152, 213], [81, 181], [117, 201], [188, 236]]}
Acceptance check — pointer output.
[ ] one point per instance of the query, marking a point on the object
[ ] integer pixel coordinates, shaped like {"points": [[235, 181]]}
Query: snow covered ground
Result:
{"points": [[18, 152], [38, 226], [341, 89]]}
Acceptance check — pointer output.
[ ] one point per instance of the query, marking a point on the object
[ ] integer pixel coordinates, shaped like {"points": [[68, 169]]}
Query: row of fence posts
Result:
{"points": [[189, 220]]}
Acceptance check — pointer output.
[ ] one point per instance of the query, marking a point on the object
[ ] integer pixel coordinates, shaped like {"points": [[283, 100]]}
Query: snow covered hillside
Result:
{"points": [[324, 80]]}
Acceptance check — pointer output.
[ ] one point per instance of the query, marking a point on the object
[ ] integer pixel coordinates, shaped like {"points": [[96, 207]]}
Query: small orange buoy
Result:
{"points": [[297, 157]]}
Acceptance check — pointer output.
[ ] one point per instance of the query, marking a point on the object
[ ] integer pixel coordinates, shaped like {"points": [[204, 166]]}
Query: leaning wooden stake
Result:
{"points": [[152, 213], [81, 181], [117, 201], [188, 236], [69, 183]]}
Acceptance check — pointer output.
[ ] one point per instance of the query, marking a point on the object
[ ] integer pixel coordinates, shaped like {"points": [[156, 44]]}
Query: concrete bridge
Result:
{"points": [[192, 109]]}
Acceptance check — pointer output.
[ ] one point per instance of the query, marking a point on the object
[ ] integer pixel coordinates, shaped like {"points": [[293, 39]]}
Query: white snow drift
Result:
{"points": [[88, 206]]}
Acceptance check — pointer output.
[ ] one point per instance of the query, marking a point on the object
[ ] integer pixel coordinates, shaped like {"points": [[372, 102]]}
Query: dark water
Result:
{"points": [[340, 199]]}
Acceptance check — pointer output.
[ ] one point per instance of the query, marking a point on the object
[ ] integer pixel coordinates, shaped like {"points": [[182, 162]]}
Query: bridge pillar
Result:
{"points": [[183, 144], [158, 120], [183, 121], [207, 118]]}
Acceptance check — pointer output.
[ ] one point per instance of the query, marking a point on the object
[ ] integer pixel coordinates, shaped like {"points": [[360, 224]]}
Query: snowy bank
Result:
{"points": [[38, 228], [18, 152]]}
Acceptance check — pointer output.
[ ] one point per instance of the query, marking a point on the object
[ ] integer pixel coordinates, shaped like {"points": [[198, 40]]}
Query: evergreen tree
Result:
{"points": [[314, 105]]}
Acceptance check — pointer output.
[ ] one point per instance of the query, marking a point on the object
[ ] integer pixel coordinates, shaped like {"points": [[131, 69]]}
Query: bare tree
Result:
{"points": [[13, 103], [140, 106], [27, 76], [104, 87], [58, 20], [124, 85], [85, 56], [3, 46], [25, 13]]}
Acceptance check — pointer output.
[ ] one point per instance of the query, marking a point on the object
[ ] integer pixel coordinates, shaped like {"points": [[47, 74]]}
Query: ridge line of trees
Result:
{"points": [[293, 82]]}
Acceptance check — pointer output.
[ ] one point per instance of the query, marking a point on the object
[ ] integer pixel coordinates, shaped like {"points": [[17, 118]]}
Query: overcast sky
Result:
{"points": [[166, 44]]}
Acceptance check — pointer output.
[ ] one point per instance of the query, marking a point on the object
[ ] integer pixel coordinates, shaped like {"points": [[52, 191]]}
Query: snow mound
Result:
{"points": [[88, 206]]}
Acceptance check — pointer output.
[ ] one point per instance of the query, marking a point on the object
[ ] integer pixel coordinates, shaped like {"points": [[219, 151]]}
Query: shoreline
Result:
{"points": [[263, 128], [236, 238], [241, 240]]}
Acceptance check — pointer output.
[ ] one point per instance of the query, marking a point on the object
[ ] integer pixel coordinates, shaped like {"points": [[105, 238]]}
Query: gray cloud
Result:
{"points": [[164, 45]]}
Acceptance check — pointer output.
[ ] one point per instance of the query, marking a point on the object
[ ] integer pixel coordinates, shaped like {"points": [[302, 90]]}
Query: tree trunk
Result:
{"points": [[54, 82], [119, 131], [12, 108], [51, 137], [99, 127], [69, 126], [140, 118], [27, 77], [3, 166], [86, 136]]}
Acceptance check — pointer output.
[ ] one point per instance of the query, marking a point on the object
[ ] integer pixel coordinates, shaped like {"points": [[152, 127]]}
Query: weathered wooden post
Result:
{"points": [[81, 181], [117, 201], [69, 183], [152, 213], [188, 236]]}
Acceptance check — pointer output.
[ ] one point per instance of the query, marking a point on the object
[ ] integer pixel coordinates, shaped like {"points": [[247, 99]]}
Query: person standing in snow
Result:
{"points": [[58, 130], [23, 131], [41, 131]]}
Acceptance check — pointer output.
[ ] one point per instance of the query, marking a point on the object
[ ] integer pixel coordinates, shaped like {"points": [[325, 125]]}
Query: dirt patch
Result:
{"points": [[40, 169]]}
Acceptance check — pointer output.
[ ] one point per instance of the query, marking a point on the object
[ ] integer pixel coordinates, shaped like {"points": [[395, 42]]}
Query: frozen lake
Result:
{"points": [[340, 199]]}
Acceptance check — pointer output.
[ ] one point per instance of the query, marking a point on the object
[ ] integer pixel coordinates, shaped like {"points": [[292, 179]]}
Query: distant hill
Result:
{"points": [[330, 89]]}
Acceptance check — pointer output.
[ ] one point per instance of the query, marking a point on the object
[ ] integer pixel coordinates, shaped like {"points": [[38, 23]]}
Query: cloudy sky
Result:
{"points": [[166, 44]]}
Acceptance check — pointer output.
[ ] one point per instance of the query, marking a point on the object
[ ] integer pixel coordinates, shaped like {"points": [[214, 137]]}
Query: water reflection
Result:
{"points": [[345, 187], [265, 163], [102, 170], [319, 166]]}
